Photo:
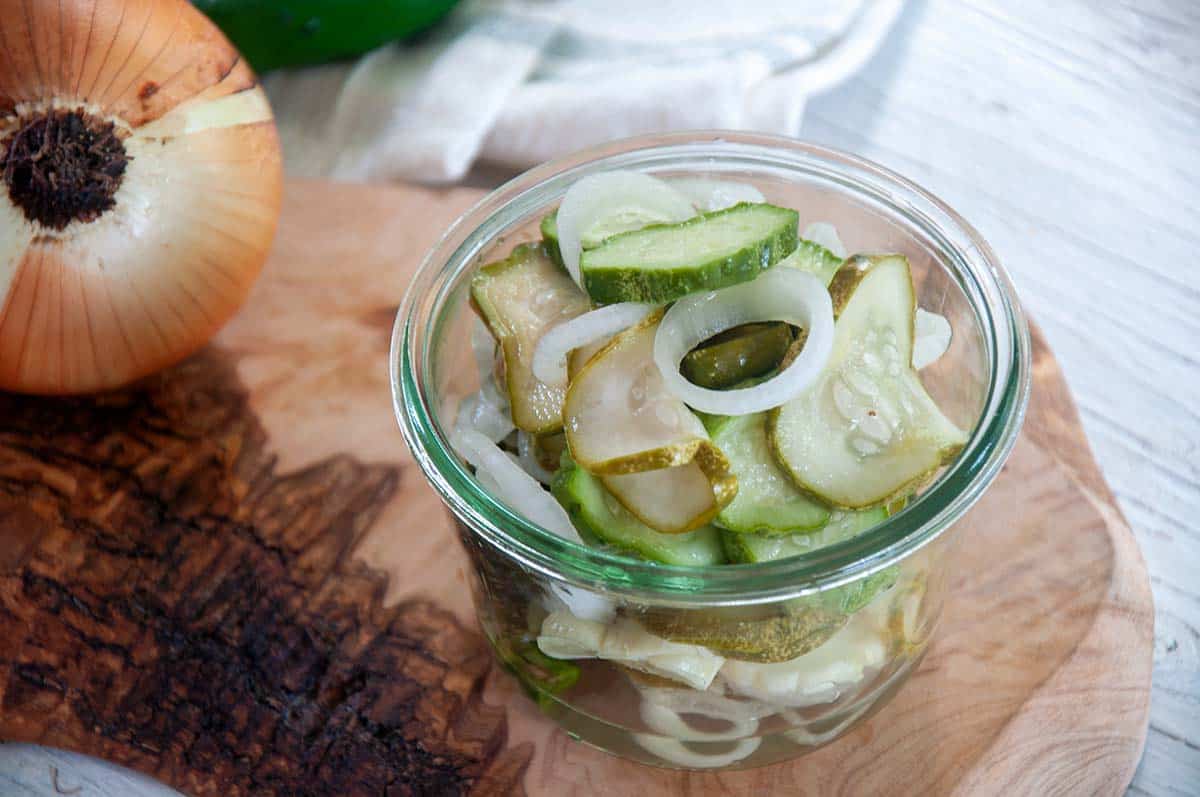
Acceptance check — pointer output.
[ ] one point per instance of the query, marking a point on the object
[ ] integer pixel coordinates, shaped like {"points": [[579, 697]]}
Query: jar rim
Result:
{"points": [[422, 315]]}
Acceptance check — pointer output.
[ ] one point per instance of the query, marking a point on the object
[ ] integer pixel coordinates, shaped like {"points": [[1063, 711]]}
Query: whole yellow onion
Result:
{"points": [[140, 181]]}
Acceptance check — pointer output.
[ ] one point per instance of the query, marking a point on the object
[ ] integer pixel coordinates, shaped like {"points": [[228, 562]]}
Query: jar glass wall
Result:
{"points": [[737, 665]]}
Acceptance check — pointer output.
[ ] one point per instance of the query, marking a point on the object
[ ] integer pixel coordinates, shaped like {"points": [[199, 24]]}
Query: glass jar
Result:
{"points": [[737, 665]]}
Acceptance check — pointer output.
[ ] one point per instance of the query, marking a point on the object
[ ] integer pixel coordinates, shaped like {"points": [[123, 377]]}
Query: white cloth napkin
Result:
{"points": [[517, 82]]}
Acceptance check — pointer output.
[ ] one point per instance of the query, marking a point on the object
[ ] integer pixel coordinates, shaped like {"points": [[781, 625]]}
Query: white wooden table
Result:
{"points": [[1068, 132]]}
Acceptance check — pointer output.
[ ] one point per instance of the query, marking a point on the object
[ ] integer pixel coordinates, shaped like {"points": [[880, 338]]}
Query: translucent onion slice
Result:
{"points": [[480, 412], [818, 676], [669, 722], [709, 195], [483, 349], [677, 752], [617, 201], [527, 459], [520, 298], [825, 234], [931, 339], [512, 485], [499, 474], [582, 603], [790, 295], [709, 703], [550, 354], [564, 636]]}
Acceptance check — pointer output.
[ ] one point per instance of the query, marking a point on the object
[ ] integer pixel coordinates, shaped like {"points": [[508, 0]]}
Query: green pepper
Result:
{"points": [[274, 33]]}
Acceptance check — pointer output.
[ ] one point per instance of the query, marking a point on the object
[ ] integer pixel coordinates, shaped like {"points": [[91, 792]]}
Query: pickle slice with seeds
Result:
{"points": [[866, 430], [598, 515], [767, 502], [519, 298]]}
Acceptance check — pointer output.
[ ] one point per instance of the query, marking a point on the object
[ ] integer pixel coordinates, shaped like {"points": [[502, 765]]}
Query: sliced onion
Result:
{"points": [[667, 721], [708, 703], [825, 234], [500, 475], [709, 195], [778, 295], [550, 356], [565, 637], [512, 485], [814, 678], [527, 459], [677, 752], [486, 410], [628, 199], [483, 347], [583, 603], [931, 338]]}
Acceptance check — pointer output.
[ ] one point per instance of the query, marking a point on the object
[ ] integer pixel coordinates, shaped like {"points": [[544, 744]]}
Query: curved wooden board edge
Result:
{"points": [[1126, 615]]}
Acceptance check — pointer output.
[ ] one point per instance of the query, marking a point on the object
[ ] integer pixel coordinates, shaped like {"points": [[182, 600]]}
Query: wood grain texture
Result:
{"points": [[279, 444], [1067, 133]]}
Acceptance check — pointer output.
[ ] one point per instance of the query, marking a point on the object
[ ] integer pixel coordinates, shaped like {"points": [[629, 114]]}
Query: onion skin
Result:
{"points": [[102, 303]]}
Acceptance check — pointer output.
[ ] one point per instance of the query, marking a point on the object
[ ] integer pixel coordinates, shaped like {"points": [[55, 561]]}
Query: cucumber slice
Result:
{"points": [[812, 257], [825, 235], [624, 219], [842, 525], [662, 262], [519, 298], [770, 634], [599, 516], [549, 228], [866, 430], [736, 355], [767, 501], [654, 453], [601, 205], [619, 416], [673, 500], [754, 633]]}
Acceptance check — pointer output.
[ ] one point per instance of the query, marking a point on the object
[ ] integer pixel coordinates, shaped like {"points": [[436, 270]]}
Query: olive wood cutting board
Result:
{"points": [[234, 578]]}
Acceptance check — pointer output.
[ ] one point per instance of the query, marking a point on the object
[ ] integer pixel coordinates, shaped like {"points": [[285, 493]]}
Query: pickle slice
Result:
{"points": [[621, 422], [811, 256], [580, 357], [519, 298], [771, 633], [760, 634], [565, 636], [842, 525], [673, 500], [767, 501], [738, 354], [599, 516], [663, 262], [549, 230], [866, 430]]}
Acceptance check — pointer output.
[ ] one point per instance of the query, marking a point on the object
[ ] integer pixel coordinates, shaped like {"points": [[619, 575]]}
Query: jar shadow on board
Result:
{"points": [[802, 648]]}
